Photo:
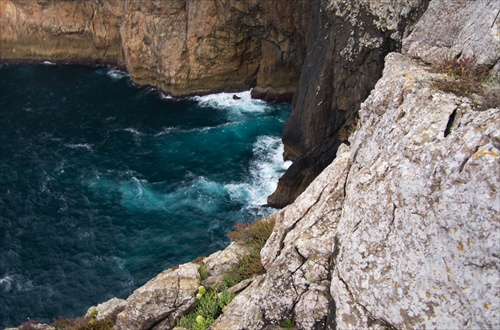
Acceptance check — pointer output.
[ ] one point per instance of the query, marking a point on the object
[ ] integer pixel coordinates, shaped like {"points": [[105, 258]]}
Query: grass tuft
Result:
{"points": [[464, 76]]}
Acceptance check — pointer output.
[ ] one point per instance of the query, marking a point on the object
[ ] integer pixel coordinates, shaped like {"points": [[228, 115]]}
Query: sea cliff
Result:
{"points": [[392, 216]]}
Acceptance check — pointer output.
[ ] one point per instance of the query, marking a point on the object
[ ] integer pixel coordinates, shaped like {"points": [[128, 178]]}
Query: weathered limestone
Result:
{"points": [[108, 308], [472, 28], [181, 47], [158, 303], [420, 227], [402, 229], [63, 31]]}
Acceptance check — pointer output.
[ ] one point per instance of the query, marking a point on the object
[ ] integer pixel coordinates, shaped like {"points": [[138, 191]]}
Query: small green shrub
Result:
{"points": [[253, 234], [288, 324], [464, 76], [203, 272], [207, 308]]}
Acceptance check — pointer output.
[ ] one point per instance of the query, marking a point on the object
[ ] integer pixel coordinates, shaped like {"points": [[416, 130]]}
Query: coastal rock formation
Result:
{"points": [[63, 31], [346, 44], [181, 47], [160, 301], [401, 227], [400, 231]]}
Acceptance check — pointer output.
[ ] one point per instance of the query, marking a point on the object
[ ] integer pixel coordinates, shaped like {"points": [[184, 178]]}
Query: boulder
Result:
{"points": [[159, 302]]}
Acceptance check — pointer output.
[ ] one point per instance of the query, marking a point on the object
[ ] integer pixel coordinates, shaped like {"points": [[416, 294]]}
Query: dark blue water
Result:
{"points": [[104, 185]]}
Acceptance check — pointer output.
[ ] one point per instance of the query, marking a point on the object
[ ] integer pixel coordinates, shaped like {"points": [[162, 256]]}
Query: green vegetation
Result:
{"points": [[208, 307], [88, 322], [465, 76], [209, 303], [254, 236], [288, 324]]}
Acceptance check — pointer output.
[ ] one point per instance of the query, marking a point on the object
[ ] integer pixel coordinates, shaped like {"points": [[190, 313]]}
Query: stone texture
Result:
{"points": [[296, 258], [225, 261], [108, 308], [159, 302], [181, 47], [472, 28], [346, 42], [61, 31], [400, 231], [419, 245]]}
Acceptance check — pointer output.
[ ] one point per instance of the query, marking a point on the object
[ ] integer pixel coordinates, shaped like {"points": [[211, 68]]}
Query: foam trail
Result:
{"points": [[117, 74], [265, 170], [243, 102], [48, 63], [79, 145]]}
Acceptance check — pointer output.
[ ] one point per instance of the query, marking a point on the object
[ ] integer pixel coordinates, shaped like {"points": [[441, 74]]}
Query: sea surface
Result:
{"points": [[103, 185]]}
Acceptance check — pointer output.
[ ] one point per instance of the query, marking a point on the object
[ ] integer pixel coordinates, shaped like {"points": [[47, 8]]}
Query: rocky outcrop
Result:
{"points": [[182, 47], [63, 31], [159, 302], [346, 44], [400, 231]]}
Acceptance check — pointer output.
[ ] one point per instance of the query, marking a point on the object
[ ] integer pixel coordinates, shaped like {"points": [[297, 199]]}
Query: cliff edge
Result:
{"points": [[401, 230]]}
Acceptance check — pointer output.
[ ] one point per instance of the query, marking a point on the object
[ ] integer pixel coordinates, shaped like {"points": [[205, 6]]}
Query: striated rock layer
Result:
{"points": [[182, 47]]}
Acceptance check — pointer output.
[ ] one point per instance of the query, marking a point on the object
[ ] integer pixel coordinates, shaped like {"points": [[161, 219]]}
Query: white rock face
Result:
{"points": [[160, 301], [420, 227], [401, 231], [457, 28]]}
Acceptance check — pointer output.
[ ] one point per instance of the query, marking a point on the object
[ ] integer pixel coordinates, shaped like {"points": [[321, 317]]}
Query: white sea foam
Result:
{"points": [[265, 169], [133, 131], [242, 102], [117, 74], [166, 97], [48, 63], [79, 145], [6, 283]]}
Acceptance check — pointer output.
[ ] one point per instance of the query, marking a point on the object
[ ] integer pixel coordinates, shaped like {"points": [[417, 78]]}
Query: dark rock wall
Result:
{"points": [[346, 46]]}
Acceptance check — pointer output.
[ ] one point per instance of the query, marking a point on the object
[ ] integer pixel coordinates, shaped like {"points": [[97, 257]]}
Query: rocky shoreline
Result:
{"points": [[391, 213]]}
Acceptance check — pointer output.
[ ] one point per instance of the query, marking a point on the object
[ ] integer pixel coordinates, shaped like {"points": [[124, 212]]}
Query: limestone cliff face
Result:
{"points": [[63, 31], [346, 44], [401, 229], [181, 47]]}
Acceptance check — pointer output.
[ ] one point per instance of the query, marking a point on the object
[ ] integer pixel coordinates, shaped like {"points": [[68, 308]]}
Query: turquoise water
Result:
{"points": [[104, 185]]}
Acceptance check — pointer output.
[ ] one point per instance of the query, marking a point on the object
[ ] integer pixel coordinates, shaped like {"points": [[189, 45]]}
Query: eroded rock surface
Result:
{"points": [[181, 47], [346, 44], [400, 231], [159, 302]]}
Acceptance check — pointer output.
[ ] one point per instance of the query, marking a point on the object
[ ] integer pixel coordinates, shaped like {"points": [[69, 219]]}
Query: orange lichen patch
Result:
{"points": [[460, 246], [449, 278], [448, 270], [483, 153], [455, 230], [486, 305], [221, 325], [396, 284], [469, 241], [427, 294]]}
